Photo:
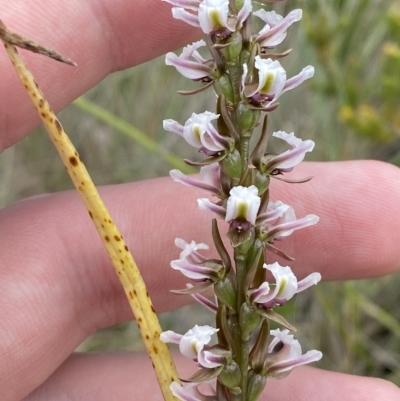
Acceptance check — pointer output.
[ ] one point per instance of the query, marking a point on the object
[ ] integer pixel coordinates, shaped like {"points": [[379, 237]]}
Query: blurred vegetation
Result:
{"points": [[351, 110]]}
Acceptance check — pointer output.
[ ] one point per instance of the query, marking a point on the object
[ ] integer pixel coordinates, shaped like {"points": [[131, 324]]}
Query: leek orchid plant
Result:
{"points": [[249, 288]]}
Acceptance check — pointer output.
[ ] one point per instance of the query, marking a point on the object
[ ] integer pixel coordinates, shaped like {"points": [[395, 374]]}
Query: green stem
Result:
{"points": [[244, 155], [235, 73], [242, 344]]}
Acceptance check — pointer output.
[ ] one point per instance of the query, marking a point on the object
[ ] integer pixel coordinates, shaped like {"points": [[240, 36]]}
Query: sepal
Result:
{"points": [[276, 317], [247, 117], [249, 319], [223, 85], [241, 238], [259, 352], [225, 290], [204, 375], [255, 385], [232, 164], [219, 245], [232, 51]]}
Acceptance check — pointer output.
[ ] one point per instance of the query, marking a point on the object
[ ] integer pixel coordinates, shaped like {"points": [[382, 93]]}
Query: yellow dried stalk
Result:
{"points": [[125, 266]]}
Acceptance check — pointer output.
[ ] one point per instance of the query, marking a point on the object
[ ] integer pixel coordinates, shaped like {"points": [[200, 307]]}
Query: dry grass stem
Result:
{"points": [[122, 259], [24, 43]]}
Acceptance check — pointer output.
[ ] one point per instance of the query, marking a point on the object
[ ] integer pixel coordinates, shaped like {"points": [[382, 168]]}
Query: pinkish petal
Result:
{"points": [[185, 16], [207, 205]]}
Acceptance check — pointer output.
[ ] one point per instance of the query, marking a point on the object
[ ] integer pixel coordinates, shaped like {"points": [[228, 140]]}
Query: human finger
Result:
{"points": [[101, 36], [56, 274], [130, 376]]}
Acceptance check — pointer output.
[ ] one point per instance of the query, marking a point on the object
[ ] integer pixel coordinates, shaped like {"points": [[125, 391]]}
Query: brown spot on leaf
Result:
{"points": [[155, 350], [107, 238], [41, 103], [130, 294], [126, 248], [152, 308], [90, 214], [117, 238]]}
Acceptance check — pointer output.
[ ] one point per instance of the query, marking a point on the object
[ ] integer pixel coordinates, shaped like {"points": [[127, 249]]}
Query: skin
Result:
{"points": [[57, 285]]}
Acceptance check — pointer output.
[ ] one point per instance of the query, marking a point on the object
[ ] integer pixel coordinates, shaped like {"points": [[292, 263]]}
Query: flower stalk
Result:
{"points": [[248, 80], [124, 264]]}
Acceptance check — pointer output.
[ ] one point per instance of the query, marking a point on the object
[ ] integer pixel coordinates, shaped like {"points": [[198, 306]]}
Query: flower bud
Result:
{"points": [[232, 51], [255, 385], [230, 375], [225, 290], [247, 118], [261, 181], [249, 319], [232, 164], [224, 86]]}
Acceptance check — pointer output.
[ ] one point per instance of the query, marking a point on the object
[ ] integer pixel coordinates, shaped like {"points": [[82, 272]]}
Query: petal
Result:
{"points": [[193, 341], [275, 30], [211, 175], [209, 360], [311, 279], [190, 250], [188, 393], [285, 229], [183, 15], [243, 203], [189, 4], [289, 364], [207, 205], [194, 271], [244, 12], [178, 176], [173, 126], [170, 336], [286, 281], [306, 73], [189, 69], [213, 15]]}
